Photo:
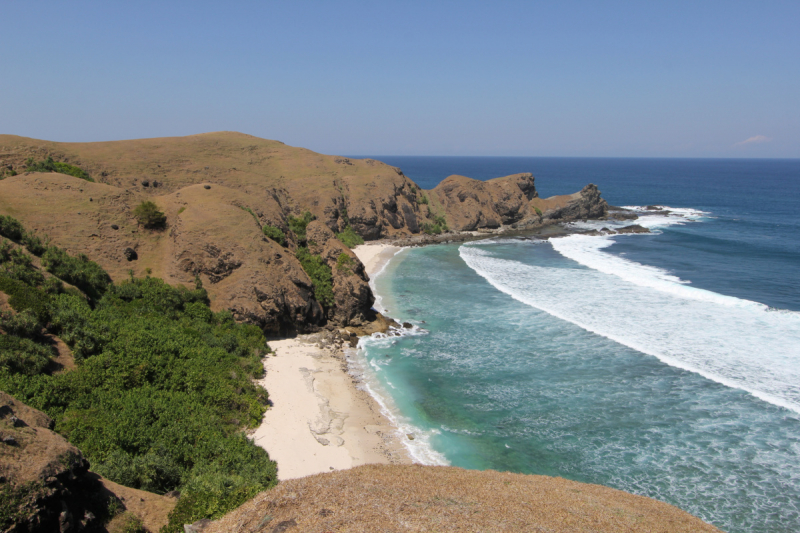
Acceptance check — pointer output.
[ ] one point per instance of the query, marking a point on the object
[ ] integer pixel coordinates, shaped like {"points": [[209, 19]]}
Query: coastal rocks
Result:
{"points": [[634, 228], [620, 213], [586, 204], [472, 205], [353, 297]]}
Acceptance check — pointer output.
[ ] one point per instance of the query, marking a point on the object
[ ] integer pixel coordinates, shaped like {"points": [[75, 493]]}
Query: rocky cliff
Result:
{"points": [[219, 190], [471, 205]]}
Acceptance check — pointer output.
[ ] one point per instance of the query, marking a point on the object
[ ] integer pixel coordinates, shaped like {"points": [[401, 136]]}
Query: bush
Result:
{"points": [[298, 225], [350, 238], [48, 165], [162, 390], [345, 264], [149, 216], [78, 270], [439, 225], [11, 228], [23, 356], [538, 211], [24, 297], [320, 274], [423, 200], [23, 324], [274, 233]]}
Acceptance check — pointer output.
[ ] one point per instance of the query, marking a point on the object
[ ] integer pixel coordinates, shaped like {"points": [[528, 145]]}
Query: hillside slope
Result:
{"points": [[218, 190], [427, 498]]}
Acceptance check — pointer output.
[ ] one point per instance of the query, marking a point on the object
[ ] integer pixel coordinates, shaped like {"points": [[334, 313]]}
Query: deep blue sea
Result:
{"points": [[665, 364]]}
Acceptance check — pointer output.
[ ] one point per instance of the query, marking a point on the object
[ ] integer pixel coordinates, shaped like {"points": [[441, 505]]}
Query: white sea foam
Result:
{"points": [[732, 341], [368, 372]]}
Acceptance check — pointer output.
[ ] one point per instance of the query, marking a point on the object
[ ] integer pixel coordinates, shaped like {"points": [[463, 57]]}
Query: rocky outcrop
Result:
{"points": [[351, 290], [580, 206], [471, 205], [46, 485], [43, 481]]}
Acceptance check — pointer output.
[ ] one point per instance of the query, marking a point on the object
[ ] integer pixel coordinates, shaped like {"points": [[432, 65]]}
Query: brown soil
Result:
{"points": [[152, 509], [390, 498]]}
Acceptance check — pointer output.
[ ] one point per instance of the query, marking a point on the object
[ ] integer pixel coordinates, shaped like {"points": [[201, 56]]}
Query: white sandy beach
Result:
{"points": [[320, 420]]}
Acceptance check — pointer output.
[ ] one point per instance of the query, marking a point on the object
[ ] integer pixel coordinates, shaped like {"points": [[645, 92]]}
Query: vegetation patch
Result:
{"points": [[297, 225], [538, 211], [438, 226], [162, 389], [321, 276], [349, 237], [48, 165], [345, 264], [149, 216], [78, 270], [274, 233]]}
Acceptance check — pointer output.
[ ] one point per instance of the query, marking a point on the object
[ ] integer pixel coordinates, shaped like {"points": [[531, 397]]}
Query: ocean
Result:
{"points": [[663, 364]]}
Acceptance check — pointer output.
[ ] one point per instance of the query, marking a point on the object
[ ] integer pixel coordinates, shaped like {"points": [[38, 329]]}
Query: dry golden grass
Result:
{"points": [[392, 498]]}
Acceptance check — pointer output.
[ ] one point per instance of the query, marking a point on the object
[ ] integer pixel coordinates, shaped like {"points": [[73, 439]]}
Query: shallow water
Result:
{"points": [[649, 363]]}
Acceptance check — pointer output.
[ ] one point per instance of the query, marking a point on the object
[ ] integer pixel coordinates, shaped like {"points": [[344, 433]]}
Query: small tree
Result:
{"points": [[149, 216]]}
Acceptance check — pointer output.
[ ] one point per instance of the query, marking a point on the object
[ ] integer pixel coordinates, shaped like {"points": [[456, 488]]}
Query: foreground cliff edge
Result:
{"points": [[240, 212]]}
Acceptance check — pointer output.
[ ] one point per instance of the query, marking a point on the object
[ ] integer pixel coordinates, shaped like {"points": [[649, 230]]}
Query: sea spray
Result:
{"points": [[730, 340]]}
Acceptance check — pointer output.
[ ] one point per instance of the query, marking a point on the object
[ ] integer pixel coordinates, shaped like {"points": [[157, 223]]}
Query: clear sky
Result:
{"points": [[562, 78]]}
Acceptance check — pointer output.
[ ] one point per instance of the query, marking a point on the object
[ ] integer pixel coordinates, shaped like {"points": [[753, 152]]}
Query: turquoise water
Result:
{"points": [[648, 363]]}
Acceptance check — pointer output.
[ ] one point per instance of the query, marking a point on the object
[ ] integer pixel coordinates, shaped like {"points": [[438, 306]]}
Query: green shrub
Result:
{"points": [[439, 225], [24, 297], [297, 225], [23, 356], [423, 200], [538, 211], [78, 270], [48, 165], [350, 238], [320, 274], [345, 263], [23, 324], [149, 216], [162, 389], [11, 228], [34, 244], [274, 233]]}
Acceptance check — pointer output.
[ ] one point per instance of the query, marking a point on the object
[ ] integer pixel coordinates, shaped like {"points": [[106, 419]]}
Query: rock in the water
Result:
{"points": [[635, 228]]}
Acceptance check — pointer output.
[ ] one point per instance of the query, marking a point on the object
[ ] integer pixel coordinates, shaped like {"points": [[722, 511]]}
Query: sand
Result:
{"points": [[320, 420]]}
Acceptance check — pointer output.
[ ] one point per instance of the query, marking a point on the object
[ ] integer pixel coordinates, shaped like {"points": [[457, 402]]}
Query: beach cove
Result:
{"points": [[321, 418]]}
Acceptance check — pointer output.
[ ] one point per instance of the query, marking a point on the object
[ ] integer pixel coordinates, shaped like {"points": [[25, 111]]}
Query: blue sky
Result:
{"points": [[663, 79]]}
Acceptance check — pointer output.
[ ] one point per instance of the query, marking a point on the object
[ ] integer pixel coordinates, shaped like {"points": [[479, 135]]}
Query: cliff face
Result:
{"points": [[470, 204], [219, 189]]}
